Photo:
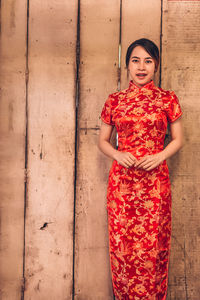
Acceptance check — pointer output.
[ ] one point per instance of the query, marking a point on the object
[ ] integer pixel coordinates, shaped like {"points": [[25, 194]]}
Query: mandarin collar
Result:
{"points": [[134, 87]]}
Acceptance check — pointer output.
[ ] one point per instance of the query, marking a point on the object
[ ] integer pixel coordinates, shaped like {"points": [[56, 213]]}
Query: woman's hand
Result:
{"points": [[125, 159], [150, 162]]}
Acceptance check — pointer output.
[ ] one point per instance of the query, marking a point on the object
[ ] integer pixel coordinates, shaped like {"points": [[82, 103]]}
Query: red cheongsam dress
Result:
{"points": [[139, 201]]}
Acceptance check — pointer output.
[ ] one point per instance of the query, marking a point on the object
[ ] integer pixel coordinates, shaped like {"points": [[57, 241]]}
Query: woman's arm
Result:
{"points": [[176, 143], [104, 140], [149, 162], [126, 159]]}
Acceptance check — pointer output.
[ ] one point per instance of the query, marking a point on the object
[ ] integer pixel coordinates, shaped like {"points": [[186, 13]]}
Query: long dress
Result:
{"points": [[139, 201]]}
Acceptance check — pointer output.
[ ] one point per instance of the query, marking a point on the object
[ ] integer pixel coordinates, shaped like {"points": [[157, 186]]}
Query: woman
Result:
{"points": [[139, 191]]}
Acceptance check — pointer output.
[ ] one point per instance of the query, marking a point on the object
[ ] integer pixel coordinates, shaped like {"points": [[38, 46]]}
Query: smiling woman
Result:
{"points": [[142, 61], [139, 191]]}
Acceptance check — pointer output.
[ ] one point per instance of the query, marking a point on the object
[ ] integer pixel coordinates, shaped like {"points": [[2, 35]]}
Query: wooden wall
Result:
{"points": [[180, 72], [59, 61]]}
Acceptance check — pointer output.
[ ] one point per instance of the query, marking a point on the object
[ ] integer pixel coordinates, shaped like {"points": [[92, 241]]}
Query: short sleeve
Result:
{"points": [[107, 112], [174, 110]]}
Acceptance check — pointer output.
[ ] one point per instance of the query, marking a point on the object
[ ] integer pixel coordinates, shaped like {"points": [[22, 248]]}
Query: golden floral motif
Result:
{"points": [[150, 144], [139, 289], [138, 229], [148, 204], [138, 111]]}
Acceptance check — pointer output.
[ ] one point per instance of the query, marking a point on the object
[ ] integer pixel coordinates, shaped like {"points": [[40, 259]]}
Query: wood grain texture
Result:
{"points": [[140, 19], [99, 42], [180, 72], [12, 150], [51, 138]]}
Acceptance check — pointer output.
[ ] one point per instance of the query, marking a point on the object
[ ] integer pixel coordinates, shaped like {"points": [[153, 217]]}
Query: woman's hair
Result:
{"points": [[149, 46]]}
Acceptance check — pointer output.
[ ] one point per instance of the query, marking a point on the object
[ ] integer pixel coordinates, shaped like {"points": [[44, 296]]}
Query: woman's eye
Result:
{"points": [[147, 61]]}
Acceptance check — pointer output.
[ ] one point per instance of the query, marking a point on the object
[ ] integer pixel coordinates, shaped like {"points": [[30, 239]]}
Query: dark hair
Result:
{"points": [[149, 46]]}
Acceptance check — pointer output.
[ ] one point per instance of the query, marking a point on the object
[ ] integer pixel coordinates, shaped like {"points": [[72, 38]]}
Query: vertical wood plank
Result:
{"points": [[98, 77], [181, 48], [12, 150], [51, 138], [140, 19]]}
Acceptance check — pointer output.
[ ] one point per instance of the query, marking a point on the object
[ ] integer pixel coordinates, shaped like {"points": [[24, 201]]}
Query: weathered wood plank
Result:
{"points": [[51, 138], [98, 77], [140, 19], [12, 150], [180, 72]]}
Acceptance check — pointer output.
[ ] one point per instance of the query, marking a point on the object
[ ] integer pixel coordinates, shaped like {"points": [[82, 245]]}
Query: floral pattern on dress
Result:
{"points": [[139, 201]]}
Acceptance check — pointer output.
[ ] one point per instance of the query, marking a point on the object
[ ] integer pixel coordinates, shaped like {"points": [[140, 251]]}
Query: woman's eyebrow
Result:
{"points": [[139, 57]]}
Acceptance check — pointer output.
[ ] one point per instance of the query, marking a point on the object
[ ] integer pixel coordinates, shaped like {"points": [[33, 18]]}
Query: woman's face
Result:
{"points": [[141, 66]]}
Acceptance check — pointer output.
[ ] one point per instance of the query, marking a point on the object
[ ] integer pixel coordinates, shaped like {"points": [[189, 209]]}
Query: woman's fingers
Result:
{"points": [[147, 162], [141, 162], [133, 158], [151, 167], [127, 159], [151, 163], [126, 164], [130, 161]]}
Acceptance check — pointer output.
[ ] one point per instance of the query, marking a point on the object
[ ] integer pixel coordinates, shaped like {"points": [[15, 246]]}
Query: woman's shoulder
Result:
{"points": [[171, 104], [118, 94], [115, 97], [167, 96], [164, 92]]}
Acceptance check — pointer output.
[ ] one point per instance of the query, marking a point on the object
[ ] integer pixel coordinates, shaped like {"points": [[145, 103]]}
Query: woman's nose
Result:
{"points": [[141, 65]]}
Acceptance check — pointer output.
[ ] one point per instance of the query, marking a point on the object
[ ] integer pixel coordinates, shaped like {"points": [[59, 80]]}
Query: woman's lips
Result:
{"points": [[141, 76]]}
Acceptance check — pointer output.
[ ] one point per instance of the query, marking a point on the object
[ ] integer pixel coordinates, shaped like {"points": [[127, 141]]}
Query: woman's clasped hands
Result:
{"points": [[147, 162]]}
